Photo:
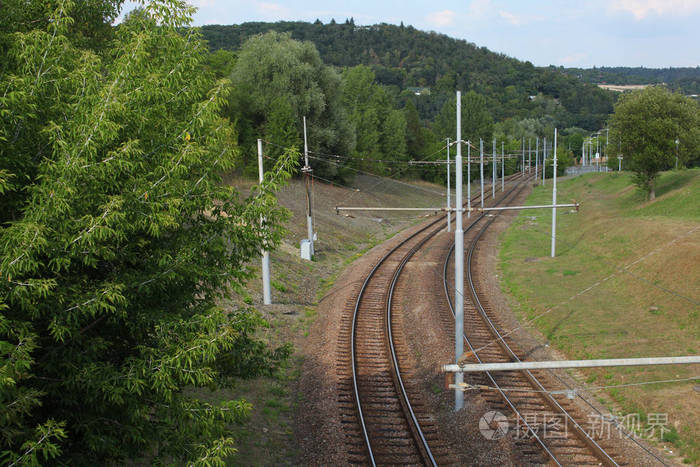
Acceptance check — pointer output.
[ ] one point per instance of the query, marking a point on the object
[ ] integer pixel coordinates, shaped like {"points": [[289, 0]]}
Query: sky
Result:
{"points": [[583, 33]]}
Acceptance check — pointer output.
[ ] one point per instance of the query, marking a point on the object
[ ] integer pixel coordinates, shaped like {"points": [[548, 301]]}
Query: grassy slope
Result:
{"points": [[638, 311], [268, 437]]}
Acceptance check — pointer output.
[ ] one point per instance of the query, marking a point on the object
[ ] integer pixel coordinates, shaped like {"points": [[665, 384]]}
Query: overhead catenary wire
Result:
{"points": [[585, 290], [626, 270], [586, 388]]}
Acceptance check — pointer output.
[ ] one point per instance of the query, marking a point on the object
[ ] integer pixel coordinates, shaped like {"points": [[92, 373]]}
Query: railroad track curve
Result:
{"points": [[381, 423], [522, 394]]}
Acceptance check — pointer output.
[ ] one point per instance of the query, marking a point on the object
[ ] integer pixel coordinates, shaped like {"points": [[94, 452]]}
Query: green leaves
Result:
{"points": [[119, 244], [646, 125]]}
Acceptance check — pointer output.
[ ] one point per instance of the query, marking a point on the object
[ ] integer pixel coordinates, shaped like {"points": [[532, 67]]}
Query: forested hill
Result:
{"points": [[405, 57], [684, 80]]}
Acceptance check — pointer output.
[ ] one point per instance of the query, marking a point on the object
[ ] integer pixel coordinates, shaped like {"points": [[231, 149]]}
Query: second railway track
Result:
{"points": [[384, 424], [549, 425]]}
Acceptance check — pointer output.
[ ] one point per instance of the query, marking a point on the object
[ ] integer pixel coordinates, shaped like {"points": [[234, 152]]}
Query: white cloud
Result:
{"points": [[518, 20], [479, 7], [273, 10], [203, 3], [510, 17], [641, 9], [575, 58], [441, 18]]}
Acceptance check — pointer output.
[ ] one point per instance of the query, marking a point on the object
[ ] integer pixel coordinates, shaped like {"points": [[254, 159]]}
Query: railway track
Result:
{"points": [[548, 425], [385, 423]]}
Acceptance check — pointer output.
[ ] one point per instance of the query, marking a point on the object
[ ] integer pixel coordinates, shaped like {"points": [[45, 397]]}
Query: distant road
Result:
{"points": [[623, 87]]}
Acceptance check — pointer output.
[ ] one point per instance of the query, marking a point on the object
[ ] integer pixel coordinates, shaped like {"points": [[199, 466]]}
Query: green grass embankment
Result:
{"points": [[639, 265]]}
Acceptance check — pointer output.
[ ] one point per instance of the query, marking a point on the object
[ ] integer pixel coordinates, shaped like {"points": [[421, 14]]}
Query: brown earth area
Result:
{"points": [[306, 430], [431, 341]]}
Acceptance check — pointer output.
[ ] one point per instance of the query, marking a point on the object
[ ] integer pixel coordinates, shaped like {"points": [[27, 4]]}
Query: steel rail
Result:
{"points": [[415, 426], [595, 447], [353, 350], [583, 435], [473, 351]]}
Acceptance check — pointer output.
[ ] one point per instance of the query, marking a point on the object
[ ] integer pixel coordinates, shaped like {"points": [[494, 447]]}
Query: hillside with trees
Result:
{"points": [[685, 80], [434, 65]]}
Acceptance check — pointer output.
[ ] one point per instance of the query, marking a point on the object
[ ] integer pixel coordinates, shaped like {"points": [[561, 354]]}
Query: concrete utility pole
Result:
{"points": [[493, 166], [307, 177], [469, 177], [537, 155], [481, 168], [677, 143], [583, 154], [459, 259], [503, 166], [265, 254], [554, 197], [449, 214], [544, 160]]}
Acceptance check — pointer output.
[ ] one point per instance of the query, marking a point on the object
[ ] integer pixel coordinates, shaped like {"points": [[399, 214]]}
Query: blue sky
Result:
{"points": [[584, 33]]}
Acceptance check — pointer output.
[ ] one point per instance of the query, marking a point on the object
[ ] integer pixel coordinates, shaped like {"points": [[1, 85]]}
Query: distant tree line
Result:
{"points": [[357, 122], [685, 80], [403, 57]]}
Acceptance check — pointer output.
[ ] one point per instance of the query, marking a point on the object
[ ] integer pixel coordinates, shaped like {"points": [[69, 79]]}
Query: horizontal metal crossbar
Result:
{"points": [[516, 366], [541, 206], [504, 208], [342, 208]]}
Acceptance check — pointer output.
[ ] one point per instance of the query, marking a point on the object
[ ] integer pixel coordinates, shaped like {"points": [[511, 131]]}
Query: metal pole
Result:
{"points": [[522, 168], [554, 196], [449, 214], [493, 167], [374, 208], [537, 155], [459, 259], [583, 154], [503, 167], [543, 365], [481, 168], [265, 254], [469, 178], [535, 206], [307, 172], [529, 155], [677, 142], [544, 160]]}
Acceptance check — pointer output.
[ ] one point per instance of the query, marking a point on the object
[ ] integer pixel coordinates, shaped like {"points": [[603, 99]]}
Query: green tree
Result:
{"points": [[476, 119], [394, 136], [272, 68], [119, 244], [415, 144], [646, 125]]}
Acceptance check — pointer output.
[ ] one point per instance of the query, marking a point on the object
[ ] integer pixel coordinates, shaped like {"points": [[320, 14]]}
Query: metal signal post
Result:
{"points": [[459, 259]]}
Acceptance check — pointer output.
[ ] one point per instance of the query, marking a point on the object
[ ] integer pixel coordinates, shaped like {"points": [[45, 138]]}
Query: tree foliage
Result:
{"points": [[118, 242], [380, 128], [646, 125], [276, 82], [476, 120], [406, 57]]}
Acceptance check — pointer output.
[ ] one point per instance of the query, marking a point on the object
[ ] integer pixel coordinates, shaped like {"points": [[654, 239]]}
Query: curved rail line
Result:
{"points": [[509, 354], [386, 437]]}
